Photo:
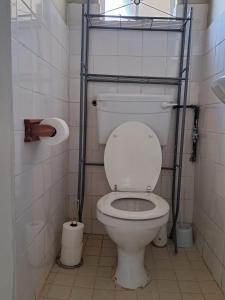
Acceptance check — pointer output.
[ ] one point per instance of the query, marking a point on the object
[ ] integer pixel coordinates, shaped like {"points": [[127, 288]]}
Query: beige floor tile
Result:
{"points": [[55, 268], [85, 281], [150, 262], [64, 279], [107, 261], [50, 278], [81, 294], [185, 275], [214, 297], [198, 265], [108, 243], [92, 251], [180, 255], [209, 287], [94, 243], [59, 292], [106, 272], [95, 237], [187, 296], [163, 264], [167, 286], [180, 260], [91, 260], [203, 275], [86, 270], [181, 264], [194, 256], [105, 283], [152, 287], [173, 277], [108, 251], [104, 295], [68, 271], [189, 287], [126, 295], [166, 296], [147, 295], [44, 290], [160, 253], [162, 274]]}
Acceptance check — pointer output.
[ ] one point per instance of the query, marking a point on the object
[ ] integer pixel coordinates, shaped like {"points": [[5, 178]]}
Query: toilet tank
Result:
{"points": [[115, 109]]}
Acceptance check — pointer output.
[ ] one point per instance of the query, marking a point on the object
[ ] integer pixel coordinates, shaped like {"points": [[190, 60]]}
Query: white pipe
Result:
{"points": [[168, 105]]}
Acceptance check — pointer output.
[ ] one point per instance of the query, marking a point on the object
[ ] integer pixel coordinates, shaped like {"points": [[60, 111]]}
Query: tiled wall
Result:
{"points": [[40, 90], [209, 212], [133, 53]]}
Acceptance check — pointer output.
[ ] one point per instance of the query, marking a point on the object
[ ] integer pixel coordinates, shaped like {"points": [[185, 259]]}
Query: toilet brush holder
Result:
{"points": [[184, 236]]}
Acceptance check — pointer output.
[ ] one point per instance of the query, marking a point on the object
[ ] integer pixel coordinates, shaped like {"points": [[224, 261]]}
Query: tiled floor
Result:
{"points": [[174, 277]]}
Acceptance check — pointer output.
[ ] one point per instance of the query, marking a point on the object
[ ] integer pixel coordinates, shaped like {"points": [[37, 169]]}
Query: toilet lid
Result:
{"points": [[133, 158]]}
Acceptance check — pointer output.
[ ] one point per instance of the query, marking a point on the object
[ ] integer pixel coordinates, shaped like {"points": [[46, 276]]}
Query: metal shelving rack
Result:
{"points": [[182, 25]]}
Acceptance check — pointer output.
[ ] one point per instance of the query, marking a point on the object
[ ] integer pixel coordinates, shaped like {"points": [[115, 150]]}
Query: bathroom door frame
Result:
{"points": [[6, 157]]}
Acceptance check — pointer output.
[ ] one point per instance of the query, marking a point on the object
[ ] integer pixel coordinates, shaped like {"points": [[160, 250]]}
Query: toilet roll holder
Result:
{"points": [[60, 264], [34, 130]]}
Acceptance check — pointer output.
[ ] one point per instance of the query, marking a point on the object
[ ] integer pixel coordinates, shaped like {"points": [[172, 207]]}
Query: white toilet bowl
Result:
{"points": [[132, 214], [132, 233]]}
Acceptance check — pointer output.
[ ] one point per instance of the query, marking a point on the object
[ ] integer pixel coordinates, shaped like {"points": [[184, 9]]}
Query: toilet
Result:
{"points": [[132, 214]]}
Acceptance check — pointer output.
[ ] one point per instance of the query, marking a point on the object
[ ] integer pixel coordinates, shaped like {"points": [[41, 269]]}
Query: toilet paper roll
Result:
{"points": [[62, 131], [71, 257], [72, 236]]}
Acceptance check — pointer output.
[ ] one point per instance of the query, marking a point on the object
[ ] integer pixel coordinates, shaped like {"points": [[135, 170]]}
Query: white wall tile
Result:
{"points": [[210, 193], [108, 47], [106, 65], [154, 66], [75, 41], [129, 65], [130, 43], [154, 44], [74, 15], [40, 90]]}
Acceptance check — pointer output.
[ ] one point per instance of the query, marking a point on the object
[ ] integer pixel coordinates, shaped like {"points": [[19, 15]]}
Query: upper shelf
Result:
{"points": [[99, 21]]}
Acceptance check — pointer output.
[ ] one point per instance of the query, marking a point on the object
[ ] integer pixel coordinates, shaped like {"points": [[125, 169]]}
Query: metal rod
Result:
{"points": [[85, 100], [177, 122], [134, 79], [133, 76], [179, 180], [183, 128], [191, 106], [102, 165], [94, 164], [137, 17], [80, 169], [135, 28]]}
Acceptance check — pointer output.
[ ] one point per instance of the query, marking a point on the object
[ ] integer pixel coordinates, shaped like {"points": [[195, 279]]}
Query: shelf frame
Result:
{"points": [[181, 25]]}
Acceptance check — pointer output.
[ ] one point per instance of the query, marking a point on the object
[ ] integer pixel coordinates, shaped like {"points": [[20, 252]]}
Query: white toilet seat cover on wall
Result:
{"points": [[133, 158]]}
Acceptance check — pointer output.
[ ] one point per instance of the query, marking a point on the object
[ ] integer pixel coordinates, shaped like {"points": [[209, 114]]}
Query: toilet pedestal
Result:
{"points": [[130, 272]]}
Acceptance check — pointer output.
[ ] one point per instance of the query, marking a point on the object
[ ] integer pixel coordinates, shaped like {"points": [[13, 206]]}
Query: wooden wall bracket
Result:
{"points": [[34, 130]]}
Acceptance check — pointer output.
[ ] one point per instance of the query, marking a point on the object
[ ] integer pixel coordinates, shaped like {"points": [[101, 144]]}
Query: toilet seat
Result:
{"points": [[133, 158], [161, 207]]}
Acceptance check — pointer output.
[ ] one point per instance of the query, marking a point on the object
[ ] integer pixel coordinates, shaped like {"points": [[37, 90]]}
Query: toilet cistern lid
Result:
{"points": [[133, 158]]}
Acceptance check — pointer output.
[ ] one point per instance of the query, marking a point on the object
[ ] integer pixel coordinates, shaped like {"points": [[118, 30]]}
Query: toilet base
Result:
{"points": [[130, 272]]}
